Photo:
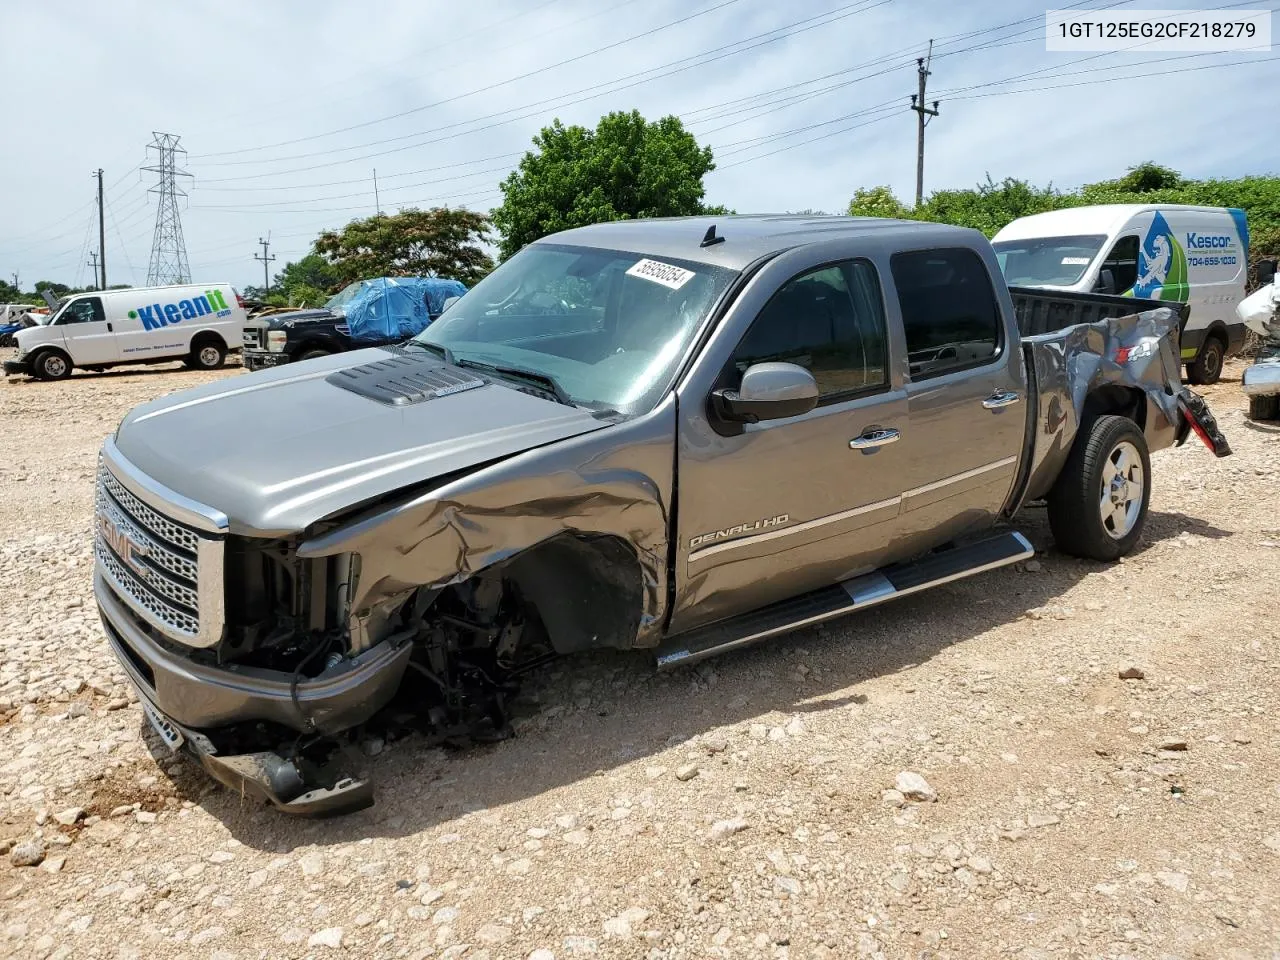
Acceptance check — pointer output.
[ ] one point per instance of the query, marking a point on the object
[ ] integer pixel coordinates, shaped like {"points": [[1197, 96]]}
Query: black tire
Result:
{"points": [[1206, 368], [1076, 500], [1264, 408], [312, 354], [207, 354], [51, 365]]}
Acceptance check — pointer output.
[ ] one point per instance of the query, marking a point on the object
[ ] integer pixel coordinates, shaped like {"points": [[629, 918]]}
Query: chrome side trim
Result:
{"points": [[165, 501], [957, 478], [798, 528]]}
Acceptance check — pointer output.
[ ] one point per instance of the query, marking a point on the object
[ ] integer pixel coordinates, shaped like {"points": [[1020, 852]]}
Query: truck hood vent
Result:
{"points": [[403, 379]]}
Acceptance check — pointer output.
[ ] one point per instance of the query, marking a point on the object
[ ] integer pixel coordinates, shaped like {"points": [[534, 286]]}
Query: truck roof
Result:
{"points": [[748, 238], [1101, 218]]}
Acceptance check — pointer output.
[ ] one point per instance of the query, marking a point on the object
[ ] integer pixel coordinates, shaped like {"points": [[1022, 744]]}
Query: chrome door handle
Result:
{"points": [[874, 439], [998, 400]]}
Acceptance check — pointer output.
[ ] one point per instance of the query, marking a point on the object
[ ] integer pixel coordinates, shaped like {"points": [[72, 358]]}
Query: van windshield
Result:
{"points": [[1047, 261], [606, 328]]}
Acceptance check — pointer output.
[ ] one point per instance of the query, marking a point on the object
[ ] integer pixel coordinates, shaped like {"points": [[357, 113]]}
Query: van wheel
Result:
{"points": [[51, 365], [206, 355], [1099, 504], [1264, 408], [1207, 367]]}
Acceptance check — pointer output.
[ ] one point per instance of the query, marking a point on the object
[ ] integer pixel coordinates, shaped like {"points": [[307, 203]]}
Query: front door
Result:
{"points": [[966, 396], [788, 506], [87, 333]]}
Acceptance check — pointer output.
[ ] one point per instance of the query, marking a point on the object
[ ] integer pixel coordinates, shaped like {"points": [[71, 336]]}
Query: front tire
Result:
{"points": [[1098, 506], [1264, 408], [1207, 367], [51, 365], [312, 354], [207, 355]]}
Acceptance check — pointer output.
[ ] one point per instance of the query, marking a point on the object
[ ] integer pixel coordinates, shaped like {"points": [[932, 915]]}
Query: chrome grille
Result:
{"points": [[253, 338], [161, 526], [168, 574]]}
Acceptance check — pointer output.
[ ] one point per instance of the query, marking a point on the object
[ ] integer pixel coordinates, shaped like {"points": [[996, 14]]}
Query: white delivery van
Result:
{"points": [[194, 323], [1199, 255]]}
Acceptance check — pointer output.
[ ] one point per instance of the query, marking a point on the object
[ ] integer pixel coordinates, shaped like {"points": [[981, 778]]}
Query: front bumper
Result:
{"points": [[202, 695], [262, 359], [1262, 379], [13, 368]]}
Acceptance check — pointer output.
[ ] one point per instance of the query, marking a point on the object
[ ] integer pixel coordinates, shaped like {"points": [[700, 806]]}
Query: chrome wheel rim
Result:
{"points": [[209, 356], [55, 366], [1123, 487]]}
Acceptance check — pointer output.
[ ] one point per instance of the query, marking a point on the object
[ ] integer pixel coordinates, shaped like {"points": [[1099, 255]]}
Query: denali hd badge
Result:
{"points": [[740, 528], [122, 545]]}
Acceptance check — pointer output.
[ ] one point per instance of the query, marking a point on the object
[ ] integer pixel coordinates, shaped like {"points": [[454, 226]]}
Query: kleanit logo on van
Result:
{"points": [[1201, 241], [158, 315]]}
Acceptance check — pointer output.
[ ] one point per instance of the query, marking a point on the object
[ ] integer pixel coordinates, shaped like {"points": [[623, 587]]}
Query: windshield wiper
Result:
{"points": [[544, 381], [445, 353]]}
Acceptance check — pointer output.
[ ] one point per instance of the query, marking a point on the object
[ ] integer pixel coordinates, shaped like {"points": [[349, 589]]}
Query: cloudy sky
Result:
{"points": [[286, 108]]}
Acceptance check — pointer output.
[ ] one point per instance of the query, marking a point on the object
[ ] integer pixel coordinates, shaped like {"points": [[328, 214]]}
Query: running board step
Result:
{"points": [[888, 583]]}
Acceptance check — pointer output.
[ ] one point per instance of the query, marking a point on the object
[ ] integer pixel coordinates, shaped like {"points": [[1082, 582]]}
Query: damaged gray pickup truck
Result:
{"points": [[683, 435]]}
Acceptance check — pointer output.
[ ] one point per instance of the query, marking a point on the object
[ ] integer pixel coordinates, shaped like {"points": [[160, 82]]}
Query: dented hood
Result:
{"points": [[280, 449]]}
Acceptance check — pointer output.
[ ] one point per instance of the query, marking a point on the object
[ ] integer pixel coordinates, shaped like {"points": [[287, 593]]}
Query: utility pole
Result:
{"points": [[93, 262], [266, 284], [102, 239], [15, 281], [377, 204], [922, 111]]}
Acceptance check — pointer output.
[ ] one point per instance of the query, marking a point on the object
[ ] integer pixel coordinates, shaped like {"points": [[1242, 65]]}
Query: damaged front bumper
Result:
{"points": [[1262, 379], [196, 702]]}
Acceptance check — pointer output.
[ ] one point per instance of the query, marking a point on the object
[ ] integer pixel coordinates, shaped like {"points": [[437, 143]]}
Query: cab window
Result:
{"points": [[829, 321], [84, 310], [949, 310], [1119, 272]]}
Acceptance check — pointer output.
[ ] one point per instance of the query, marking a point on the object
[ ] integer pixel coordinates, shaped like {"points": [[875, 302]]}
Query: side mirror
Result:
{"points": [[769, 391], [1266, 272], [1106, 281]]}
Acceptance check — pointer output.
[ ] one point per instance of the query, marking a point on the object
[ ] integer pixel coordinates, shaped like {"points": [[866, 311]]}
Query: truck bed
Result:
{"points": [[1041, 311]]}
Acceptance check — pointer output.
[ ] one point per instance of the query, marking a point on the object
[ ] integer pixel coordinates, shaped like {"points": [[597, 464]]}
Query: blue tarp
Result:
{"points": [[396, 308]]}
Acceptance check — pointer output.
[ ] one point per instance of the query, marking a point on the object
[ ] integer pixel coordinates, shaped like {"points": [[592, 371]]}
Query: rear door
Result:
{"points": [[774, 509], [966, 394], [89, 335]]}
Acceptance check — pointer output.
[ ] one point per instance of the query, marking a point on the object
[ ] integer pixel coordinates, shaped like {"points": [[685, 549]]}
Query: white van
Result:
{"points": [[194, 323], [1198, 255]]}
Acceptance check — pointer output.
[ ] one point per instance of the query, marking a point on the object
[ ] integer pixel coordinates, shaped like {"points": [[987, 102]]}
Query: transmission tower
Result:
{"points": [[168, 250]]}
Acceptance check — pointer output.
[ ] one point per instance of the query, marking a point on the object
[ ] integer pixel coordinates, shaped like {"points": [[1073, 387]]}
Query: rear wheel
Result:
{"points": [[51, 365], [1206, 368], [1264, 408], [1098, 506], [206, 355]]}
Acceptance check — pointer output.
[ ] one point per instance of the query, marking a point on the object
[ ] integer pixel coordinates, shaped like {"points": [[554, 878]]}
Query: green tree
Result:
{"points": [[627, 167], [876, 202], [440, 242]]}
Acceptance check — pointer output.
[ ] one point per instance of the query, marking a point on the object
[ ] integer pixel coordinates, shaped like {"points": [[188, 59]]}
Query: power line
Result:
{"points": [[124, 250], [485, 89]]}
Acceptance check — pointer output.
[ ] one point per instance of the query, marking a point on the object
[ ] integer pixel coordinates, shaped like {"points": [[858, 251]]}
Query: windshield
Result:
{"points": [[338, 302], [1047, 261], [607, 328]]}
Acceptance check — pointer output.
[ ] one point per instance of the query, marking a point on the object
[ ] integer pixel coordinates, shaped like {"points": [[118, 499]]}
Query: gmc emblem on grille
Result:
{"points": [[127, 549]]}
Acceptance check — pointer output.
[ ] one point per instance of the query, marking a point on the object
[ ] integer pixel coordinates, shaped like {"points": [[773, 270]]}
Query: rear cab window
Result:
{"points": [[949, 310]]}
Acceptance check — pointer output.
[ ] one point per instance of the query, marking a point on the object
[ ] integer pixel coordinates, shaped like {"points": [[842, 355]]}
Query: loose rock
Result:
{"points": [[912, 786], [27, 854]]}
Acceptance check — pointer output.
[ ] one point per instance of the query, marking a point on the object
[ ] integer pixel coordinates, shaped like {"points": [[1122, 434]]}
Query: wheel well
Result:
{"points": [[208, 336], [587, 591], [1129, 402]]}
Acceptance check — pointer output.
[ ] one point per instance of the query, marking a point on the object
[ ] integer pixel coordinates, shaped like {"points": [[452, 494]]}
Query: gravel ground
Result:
{"points": [[961, 774]]}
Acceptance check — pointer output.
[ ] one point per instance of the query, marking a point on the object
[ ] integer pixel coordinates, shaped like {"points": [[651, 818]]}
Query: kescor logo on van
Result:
{"points": [[1201, 242], [158, 315]]}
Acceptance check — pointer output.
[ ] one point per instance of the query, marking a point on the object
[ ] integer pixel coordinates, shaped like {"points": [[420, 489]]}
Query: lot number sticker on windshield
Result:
{"points": [[663, 273], [1074, 261]]}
